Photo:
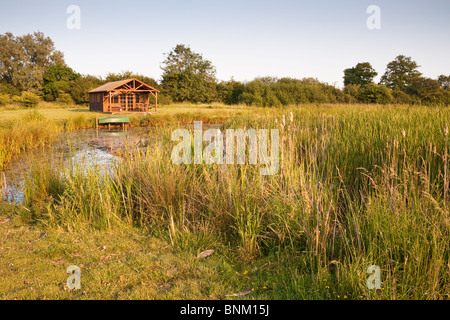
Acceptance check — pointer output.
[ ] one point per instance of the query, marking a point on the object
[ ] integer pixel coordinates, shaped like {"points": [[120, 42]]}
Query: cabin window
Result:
{"points": [[99, 97], [130, 100], [115, 98]]}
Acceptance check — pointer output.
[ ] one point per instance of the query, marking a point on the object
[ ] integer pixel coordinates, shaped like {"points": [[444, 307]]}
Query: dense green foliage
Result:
{"points": [[362, 73], [80, 87], [31, 63], [187, 76], [25, 59], [57, 81], [400, 73]]}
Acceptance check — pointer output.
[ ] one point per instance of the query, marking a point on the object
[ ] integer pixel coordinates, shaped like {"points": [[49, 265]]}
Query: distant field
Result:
{"points": [[50, 111], [61, 112]]}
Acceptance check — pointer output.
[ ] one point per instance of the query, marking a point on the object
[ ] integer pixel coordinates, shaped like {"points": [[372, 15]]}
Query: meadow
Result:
{"points": [[358, 185]]}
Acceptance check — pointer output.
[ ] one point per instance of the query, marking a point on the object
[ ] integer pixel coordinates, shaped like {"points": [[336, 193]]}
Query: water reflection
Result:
{"points": [[85, 148]]}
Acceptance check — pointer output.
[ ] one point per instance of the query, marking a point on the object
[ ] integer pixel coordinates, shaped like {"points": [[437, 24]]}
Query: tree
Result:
{"points": [[400, 73], [228, 92], [56, 81], [7, 88], [80, 87], [401, 97], [373, 93], [427, 90], [361, 74], [24, 60], [187, 76], [444, 82], [351, 93]]}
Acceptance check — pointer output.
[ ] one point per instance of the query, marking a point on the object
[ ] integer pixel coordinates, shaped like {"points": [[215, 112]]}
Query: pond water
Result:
{"points": [[90, 147]]}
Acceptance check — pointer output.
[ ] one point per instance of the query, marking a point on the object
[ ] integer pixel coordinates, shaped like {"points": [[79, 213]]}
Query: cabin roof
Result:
{"points": [[115, 84]]}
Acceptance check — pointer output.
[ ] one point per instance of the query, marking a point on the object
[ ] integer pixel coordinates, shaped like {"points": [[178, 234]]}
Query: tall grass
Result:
{"points": [[358, 186], [20, 134]]}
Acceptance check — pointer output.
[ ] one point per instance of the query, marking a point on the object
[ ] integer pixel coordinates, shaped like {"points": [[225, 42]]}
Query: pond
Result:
{"points": [[90, 147], [86, 147]]}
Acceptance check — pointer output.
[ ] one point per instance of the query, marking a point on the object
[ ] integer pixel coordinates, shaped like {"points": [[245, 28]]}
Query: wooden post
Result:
{"points": [[156, 102]]}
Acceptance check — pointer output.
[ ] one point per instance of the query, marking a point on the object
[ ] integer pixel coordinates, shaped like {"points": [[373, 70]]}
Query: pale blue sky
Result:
{"points": [[243, 39]]}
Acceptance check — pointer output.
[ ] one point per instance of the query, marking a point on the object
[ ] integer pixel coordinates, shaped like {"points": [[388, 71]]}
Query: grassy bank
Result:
{"points": [[358, 186], [121, 263]]}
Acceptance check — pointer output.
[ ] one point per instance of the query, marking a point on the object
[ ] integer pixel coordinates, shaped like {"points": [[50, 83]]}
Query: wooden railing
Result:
{"points": [[138, 107]]}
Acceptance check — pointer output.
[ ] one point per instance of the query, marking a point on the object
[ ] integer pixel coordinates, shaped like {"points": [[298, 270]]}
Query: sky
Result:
{"points": [[243, 39]]}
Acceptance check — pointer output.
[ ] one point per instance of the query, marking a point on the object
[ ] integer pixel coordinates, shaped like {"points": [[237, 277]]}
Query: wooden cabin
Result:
{"points": [[124, 96]]}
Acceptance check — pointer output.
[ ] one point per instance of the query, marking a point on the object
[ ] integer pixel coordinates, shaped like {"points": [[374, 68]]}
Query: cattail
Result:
{"points": [[291, 116], [404, 133], [283, 121], [446, 130]]}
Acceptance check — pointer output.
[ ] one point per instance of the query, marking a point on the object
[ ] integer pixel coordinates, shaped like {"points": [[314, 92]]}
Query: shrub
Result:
{"points": [[270, 99], [28, 99], [163, 99], [65, 98], [401, 97], [251, 99], [4, 99], [428, 91], [351, 93], [373, 93]]}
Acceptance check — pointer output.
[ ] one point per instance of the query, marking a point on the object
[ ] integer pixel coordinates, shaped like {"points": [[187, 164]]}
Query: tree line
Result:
{"points": [[31, 69]]}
